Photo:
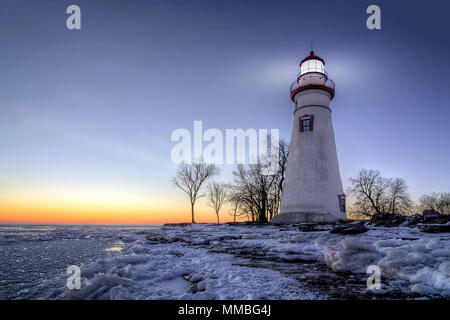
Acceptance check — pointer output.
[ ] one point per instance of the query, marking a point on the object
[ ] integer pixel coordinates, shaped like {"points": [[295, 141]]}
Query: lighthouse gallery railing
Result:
{"points": [[312, 80]]}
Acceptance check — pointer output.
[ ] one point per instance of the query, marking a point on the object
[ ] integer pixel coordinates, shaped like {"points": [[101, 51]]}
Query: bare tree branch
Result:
{"points": [[437, 201], [190, 177], [374, 194], [216, 197]]}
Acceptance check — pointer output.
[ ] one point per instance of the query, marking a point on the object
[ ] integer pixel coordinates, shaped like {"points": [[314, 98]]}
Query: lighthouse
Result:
{"points": [[312, 190]]}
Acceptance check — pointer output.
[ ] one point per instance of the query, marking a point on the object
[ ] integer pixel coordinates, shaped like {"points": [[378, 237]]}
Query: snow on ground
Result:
{"points": [[209, 261]]}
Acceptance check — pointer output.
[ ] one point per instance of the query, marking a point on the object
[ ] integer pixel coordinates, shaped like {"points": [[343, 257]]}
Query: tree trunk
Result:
{"points": [[192, 212], [217, 214], [393, 205], [262, 213]]}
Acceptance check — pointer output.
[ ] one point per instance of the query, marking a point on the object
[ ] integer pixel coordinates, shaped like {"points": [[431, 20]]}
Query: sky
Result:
{"points": [[86, 115]]}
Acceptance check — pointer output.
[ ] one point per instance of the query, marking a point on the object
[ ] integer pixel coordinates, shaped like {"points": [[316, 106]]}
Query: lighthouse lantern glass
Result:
{"points": [[312, 66]]}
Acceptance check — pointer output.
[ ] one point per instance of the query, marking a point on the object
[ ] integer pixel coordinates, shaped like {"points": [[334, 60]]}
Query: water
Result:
{"points": [[33, 257]]}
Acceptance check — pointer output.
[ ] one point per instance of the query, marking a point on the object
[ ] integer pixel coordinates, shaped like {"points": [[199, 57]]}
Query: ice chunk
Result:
{"points": [[351, 255], [444, 268]]}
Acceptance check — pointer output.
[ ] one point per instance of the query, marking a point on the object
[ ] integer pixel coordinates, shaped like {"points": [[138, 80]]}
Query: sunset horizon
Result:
{"points": [[89, 124], [224, 159]]}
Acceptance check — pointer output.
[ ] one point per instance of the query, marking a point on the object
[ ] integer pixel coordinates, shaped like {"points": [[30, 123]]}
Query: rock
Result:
{"points": [[196, 277], [395, 220], [352, 222], [359, 223], [152, 238], [415, 219], [432, 216], [378, 218], [229, 237], [182, 224], [349, 229], [193, 287], [308, 227], [387, 219], [435, 228]]}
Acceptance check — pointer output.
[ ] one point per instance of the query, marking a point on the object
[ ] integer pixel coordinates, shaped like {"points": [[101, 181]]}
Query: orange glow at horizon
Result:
{"points": [[108, 207]]}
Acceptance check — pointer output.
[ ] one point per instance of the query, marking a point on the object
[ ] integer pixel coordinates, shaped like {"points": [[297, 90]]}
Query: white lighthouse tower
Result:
{"points": [[312, 190]]}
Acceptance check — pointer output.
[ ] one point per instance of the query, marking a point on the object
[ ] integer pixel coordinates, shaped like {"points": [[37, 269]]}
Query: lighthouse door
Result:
{"points": [[341, 198]]}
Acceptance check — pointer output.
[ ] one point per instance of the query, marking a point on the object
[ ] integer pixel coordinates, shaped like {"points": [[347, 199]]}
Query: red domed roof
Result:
{"points": [[312, 56]]}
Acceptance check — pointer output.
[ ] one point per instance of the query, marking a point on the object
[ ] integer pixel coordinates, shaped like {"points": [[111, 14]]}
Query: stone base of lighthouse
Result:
{"points": [[303, 217]]}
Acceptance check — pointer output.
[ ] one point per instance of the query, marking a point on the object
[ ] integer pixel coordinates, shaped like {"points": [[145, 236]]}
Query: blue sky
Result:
{"points": [[96, 107]]}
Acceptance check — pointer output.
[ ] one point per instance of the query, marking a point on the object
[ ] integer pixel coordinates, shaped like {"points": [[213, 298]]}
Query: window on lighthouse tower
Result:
{"points": [[306, 123]]}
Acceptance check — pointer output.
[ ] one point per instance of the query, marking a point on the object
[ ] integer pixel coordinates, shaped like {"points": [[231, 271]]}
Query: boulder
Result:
{"points": [[387, 219], [378, 218], [432, 216], [435, 228], [415, 219], [308, 227], [349, 229]]}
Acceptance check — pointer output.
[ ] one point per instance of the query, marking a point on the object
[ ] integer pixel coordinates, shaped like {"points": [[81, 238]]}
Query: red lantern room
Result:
{"points": [[312, 76]]}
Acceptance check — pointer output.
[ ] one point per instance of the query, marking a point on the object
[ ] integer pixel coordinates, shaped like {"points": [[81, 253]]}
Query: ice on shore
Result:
{"points": [[351, 255], [176, 272], [421, 262], [211, 261]]}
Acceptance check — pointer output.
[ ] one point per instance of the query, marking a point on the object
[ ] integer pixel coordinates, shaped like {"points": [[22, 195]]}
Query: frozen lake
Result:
{"points": [[33, 256], [209, 261]]}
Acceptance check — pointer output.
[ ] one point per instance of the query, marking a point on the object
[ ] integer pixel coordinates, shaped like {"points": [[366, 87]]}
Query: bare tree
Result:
{"points": [[358, 213], [374, 193], [253, 188], [284, 153], [368, 189], [438, 201], [445, 202], [216, 197], [256, 194], [399, 201], [241, 202], [276, 191], [190, 178], [235, 201]]}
